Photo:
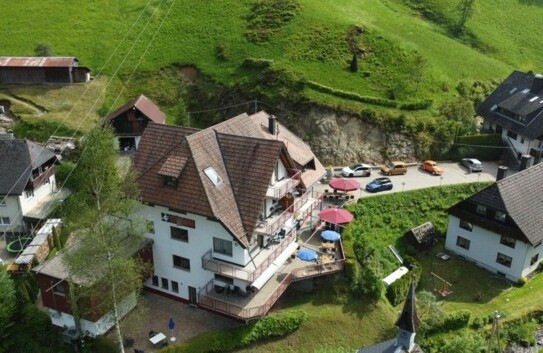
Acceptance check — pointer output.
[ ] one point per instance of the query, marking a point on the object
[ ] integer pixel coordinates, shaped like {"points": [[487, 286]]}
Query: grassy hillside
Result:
{"points": [[405, 54]]}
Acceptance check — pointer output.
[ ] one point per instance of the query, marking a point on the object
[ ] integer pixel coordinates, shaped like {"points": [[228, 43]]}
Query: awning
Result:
{"points": [[274, 267]]}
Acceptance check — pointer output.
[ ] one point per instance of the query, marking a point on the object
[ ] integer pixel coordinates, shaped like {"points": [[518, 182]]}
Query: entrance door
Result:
{"points": [[193, 298]]}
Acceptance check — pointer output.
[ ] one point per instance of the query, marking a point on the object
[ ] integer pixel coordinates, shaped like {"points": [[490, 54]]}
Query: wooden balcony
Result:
{"points": [[250, 272], [302, 207], [251, 306], [282, 187]]}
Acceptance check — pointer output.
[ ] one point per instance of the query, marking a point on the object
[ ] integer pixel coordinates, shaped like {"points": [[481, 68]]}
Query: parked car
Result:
{"points": [[431, 167], [379, 184], [472, 164], [357, 170], [394, 168]]}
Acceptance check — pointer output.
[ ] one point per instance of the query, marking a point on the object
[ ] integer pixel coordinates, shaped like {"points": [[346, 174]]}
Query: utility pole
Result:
{"points": [[494, 339], [256, 105]]}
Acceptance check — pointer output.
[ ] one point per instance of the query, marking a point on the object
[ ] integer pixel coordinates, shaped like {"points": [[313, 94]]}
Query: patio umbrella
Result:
{"points": [[336, 215], [307, 255], [171, 326], [343, 184], [330, 235]]}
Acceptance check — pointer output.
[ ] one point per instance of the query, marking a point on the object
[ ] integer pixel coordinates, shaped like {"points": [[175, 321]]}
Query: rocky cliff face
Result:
{"points": [[341, 139]]}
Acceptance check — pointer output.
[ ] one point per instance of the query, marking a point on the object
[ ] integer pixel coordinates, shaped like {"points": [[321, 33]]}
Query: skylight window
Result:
{"points": [[513, 90], [213, 176], [526, 90], [534, 99]]}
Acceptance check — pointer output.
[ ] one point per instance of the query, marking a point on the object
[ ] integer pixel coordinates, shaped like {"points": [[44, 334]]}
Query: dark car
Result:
{"points": [[379, 184]]}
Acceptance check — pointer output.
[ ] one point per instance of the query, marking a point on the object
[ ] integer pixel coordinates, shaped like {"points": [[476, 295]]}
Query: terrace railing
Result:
{"points": [[286, 186], [229, 270]]}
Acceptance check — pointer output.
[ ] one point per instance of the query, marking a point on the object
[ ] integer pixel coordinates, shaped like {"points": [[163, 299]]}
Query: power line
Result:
{"points": [[97, 99], [221, 108]]}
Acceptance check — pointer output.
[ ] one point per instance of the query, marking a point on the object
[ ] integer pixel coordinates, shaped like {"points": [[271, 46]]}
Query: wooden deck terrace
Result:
{"points": [[251, 306]]}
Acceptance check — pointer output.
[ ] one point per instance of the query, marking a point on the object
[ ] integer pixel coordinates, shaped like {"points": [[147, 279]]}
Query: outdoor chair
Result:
{"points": [[128, 342], [152, 333], [164, 344]]}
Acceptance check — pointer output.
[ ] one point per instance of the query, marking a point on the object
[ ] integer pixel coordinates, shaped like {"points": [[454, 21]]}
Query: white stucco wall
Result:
{"points": [[200, 240], [44, 190], [281, 173], [12, 209], [99, 327], [522, 147], [484, 248]]}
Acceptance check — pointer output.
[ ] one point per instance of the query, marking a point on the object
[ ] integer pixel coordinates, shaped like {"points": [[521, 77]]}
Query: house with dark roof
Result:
{"points": [[129, 121], [27, 184], [499, 228], [407, 323], [223, 206], [515, 110], [42, 70]]}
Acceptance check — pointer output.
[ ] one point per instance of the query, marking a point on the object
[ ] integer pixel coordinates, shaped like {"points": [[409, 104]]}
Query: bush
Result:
{"points": [[102, 344], [521, 331], [277, 325], [466, 147], [222, 53], [397, 291], [522, 281], [257, 63], [352, 96], [63, 172], [418, 105], [456, 320]]}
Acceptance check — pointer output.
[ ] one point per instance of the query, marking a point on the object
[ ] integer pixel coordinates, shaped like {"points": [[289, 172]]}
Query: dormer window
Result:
{"points": [[171, 182], [213, 176], [500, 216], [481, 210]]}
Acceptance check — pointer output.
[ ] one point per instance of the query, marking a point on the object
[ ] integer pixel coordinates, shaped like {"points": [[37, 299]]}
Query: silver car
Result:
{"points": [[472, 164], [357, 170]]}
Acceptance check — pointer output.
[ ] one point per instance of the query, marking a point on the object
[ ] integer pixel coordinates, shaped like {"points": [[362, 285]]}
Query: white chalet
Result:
{"points": [[223, 205], [499, 228], [27, 184]]}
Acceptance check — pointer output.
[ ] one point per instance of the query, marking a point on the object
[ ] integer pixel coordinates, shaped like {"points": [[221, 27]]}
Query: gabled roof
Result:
{"points": [[238, 152], [17, 159], [519, 196], [144, 105], [521, 94], [38, 61]]}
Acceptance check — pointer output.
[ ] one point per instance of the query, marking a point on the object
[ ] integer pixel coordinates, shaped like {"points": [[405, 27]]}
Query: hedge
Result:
{"points": [[453, 321], [272, 326], [397, 291], [257, 63], [483, 147]]}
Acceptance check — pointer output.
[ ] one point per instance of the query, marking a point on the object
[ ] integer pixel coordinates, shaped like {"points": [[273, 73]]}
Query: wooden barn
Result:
{"points": [[423, 237], [130, 120], [42, 70]]}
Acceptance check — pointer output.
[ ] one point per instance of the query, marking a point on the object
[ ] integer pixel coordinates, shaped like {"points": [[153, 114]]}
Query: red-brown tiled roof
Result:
{"points": [[144, 105], [241, 154], [37, 61]]}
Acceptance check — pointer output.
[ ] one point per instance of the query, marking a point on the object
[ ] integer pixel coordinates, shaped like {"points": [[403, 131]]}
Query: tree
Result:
{"points": [[461, 112], [101, 264], [8, 302], [354, 63], [466, 10], [429, 310], [43, 49]]}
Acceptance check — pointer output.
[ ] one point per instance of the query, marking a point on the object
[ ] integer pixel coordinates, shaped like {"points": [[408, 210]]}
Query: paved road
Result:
{"points": [[416, 178]]}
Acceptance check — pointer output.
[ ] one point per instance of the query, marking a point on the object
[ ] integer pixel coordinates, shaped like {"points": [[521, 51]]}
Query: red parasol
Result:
{"points": [[335, 215], [343, 184]]}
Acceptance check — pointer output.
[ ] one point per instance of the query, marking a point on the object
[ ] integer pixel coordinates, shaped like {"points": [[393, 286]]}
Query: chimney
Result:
{"points": [[525, 162], [537, 85], [272, 124], [502, 172]]}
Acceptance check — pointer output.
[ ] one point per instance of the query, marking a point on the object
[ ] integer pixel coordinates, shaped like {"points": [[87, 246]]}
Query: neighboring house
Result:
{"points": [[223, 205], [408, 322], [130, 120], [514, 110], [52, 277], [499, 228], [42, 70], [27, 184]]}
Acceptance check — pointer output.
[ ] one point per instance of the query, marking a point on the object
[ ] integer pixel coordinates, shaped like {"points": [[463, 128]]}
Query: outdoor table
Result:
{"points": [[328, 245], [157, 338]]}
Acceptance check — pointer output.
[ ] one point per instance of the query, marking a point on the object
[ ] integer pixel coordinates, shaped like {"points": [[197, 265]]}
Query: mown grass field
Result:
{"points": [[121, 37]]}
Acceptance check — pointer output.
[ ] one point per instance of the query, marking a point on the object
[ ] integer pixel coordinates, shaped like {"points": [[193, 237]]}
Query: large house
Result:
{"points": [[499, 228], [407, 323], [514, 110], [27, 184], [42, 70], [129, 121], [223, 206]]}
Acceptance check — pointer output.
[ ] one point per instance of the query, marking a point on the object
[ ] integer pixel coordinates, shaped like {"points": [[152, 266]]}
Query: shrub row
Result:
{"points": [[484, 147], [416, 105], [278, 325], [452, 321], [397, 291]]}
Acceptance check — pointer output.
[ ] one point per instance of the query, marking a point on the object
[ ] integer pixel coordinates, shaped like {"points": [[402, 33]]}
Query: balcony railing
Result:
{"points": [[305, 204], [225, 269], [281, 188], [256, 311]]}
